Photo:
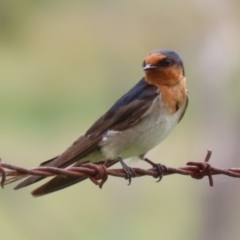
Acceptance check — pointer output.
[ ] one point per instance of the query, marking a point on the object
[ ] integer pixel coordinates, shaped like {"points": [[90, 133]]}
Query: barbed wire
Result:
{"points": [[98, 173]]}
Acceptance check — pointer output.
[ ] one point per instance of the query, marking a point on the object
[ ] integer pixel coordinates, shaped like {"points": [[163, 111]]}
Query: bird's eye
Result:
{"points": [[165, 63]]}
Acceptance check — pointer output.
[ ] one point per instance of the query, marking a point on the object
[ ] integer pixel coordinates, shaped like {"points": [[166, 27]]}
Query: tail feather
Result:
{"points": [[82, 147], [34, 179], [28, 182], [60, 182], [55, 184]]}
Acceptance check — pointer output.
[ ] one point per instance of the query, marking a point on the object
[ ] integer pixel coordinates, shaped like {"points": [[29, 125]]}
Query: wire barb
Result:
{"points": [[204, 168], [98, 173]]}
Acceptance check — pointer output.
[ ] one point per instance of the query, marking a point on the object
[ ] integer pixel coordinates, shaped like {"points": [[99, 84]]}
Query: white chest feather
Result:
{"points": [[153, 128]]}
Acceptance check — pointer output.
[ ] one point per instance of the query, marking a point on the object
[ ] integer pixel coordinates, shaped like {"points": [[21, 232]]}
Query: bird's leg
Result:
{"points": [[159, 167], [129, 171], [107, 161]]}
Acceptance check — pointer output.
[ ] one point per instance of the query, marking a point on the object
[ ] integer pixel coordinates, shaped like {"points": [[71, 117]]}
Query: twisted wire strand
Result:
{"points": [[98, 174]]}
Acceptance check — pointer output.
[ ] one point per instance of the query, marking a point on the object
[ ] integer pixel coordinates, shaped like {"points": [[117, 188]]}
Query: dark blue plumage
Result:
{"points": [[142, 90]]}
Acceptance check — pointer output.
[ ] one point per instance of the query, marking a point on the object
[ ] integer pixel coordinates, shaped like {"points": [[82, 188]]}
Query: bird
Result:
{"points": [[135, 124]]}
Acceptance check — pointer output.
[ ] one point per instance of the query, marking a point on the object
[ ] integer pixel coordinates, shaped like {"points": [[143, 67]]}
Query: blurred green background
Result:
{"points": [[64, 63]]}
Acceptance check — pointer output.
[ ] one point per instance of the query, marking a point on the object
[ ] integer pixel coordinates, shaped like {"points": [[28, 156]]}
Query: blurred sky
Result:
{"points": [[64, 63]]}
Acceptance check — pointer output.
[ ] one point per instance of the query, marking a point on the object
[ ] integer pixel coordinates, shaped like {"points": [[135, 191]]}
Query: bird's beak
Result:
{"points": [[148, 67]]}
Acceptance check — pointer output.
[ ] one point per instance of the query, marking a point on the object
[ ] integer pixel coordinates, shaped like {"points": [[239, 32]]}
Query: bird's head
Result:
{"points": [[163, 67]]}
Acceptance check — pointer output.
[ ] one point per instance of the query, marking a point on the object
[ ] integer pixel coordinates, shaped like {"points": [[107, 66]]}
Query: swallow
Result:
{"points": [[136, 123]]}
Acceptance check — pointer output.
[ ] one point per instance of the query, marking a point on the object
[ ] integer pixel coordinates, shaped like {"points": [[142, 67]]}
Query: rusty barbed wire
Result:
{"points": [[98, 174]]}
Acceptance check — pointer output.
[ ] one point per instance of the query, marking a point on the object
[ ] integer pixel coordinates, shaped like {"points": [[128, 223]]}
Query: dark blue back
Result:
{"points": [[141, 90]]}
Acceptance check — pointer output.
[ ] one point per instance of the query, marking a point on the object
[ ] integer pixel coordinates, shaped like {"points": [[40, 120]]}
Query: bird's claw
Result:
{"points": [[129, 171], [159, 167]]}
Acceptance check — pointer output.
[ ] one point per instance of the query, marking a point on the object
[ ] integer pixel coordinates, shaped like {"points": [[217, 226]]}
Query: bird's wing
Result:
{"points": [[126, 112], [128, 109]]}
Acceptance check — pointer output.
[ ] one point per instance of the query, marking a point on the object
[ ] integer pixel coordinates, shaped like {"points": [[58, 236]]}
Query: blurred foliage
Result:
{"points": [[64, 63]]}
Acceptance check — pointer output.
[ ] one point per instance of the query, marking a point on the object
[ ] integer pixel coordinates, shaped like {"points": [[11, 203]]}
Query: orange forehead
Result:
{"points": [[154, 58]]}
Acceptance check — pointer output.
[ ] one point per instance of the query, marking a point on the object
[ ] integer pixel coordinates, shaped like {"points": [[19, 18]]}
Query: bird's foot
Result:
{"points": [[159, 167], [129, 171]]}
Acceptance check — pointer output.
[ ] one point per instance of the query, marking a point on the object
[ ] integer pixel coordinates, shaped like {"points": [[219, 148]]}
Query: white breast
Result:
{"points": [[153, 128]]}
